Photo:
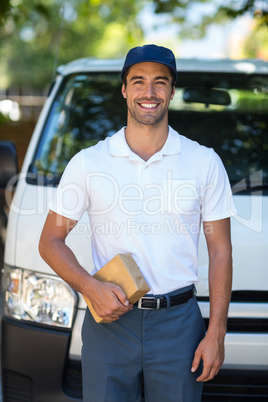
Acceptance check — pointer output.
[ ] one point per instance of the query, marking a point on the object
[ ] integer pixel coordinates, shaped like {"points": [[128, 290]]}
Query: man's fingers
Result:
{"points": [[110, 319], [196, 361], [110, 302], [210, 370], [206, 374], [212, 354], [121, 296]]}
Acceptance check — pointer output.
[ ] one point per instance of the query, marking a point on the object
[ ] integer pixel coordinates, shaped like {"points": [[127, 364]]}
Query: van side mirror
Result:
{"points": [[8, 162]]}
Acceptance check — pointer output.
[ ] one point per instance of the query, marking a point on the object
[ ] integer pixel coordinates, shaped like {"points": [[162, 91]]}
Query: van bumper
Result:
{"points": [[34, 361], [35, 367]]}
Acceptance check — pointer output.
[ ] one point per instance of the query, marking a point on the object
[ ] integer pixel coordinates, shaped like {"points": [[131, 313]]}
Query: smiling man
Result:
{"points": [[148, 94], [161, 185]]}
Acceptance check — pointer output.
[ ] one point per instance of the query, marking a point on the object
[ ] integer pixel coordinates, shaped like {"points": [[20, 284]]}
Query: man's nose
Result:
{"points": [[150, 90]]}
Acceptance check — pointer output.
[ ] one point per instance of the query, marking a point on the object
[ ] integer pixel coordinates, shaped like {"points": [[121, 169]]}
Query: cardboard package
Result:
{"points": [[123, 271]]}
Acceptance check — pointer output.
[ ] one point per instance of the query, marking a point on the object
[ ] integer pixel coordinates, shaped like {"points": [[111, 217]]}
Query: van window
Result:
{"points": [[87, 109], [90, 107]]}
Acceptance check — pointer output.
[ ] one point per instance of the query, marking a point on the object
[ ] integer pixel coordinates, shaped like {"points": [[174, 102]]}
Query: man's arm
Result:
{"points": [[211, 348], [108, 300]]}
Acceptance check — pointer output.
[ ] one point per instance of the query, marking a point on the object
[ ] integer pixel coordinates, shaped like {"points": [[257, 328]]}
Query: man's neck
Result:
{"points": [[146, 140]]}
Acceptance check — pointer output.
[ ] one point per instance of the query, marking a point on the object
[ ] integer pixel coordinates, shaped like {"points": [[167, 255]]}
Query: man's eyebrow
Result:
{"points": [[136, 77], [140, 77], [162, 77]]}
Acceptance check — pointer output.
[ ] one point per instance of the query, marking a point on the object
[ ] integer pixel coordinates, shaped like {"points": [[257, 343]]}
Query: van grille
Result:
{"points": [[227, 386], [72, 381], [243, 296], [16, 387], [245, 325], [237, 386]]}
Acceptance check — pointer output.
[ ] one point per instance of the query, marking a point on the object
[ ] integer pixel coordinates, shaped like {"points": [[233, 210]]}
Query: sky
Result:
{"points": [[220, 41]]}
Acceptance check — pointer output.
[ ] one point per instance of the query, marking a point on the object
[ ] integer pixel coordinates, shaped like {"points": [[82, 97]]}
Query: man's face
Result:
{"points": [[148, 92]]}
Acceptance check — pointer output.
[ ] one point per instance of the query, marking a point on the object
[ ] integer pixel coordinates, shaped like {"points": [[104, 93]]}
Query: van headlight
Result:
{"points": [[40, 298]]}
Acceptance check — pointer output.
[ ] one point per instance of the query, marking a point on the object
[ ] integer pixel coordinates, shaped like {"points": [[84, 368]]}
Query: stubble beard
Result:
{"points": [[148, 119]]}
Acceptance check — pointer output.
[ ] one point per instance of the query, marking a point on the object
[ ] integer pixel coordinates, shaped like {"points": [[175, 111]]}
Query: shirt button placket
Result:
{"points": [[141, 174]]}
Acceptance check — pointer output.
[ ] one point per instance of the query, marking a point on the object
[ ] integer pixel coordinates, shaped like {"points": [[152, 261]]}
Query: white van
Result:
{"points": [[222, 104]]}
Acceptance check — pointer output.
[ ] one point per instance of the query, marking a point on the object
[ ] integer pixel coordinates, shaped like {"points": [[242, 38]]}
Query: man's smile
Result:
{"points": [[148, 105]]}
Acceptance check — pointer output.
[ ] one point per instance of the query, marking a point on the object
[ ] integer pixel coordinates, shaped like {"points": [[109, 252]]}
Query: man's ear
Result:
{"points": [[123, 90]]}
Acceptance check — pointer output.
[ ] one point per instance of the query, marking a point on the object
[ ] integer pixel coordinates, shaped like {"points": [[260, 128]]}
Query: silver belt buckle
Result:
{"points": [[149, 308]]}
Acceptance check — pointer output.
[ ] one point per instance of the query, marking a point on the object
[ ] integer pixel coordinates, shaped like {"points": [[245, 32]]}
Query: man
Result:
{"points": [[155, 185]]}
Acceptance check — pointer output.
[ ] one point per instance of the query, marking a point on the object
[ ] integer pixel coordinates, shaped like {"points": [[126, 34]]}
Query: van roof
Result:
{"points": [[246, 66]]}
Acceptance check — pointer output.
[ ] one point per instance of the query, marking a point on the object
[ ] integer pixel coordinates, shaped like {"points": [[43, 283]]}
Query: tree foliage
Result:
{"points": [[38, 35], [256, 45], [193, 21]]}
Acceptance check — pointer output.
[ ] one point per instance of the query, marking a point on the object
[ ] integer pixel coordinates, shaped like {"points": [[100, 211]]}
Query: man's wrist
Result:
{"points": [[217, 330], [89, 286]]}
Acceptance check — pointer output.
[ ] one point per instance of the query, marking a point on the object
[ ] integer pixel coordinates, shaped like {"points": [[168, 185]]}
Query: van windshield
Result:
{"points": [[228, 112]]}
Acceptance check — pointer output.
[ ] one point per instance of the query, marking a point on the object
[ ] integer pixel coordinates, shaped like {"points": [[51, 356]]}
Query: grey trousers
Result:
{"points": [[151, 350]]}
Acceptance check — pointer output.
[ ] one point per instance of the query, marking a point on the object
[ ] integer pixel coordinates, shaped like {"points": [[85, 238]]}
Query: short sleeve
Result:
{"points": [[217, 200], [71, 198]]}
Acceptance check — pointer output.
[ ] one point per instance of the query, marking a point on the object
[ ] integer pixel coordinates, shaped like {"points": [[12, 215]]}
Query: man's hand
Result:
{"points": [[211, 351], [108, 300]]}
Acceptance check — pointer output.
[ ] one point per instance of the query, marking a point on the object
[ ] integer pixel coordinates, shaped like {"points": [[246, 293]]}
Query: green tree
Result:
{"points": [[38, 35], [209, 12], [256, 44]]}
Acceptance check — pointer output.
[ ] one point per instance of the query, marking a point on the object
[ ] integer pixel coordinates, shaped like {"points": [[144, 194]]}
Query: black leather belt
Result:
{"points": [[151, 302]]}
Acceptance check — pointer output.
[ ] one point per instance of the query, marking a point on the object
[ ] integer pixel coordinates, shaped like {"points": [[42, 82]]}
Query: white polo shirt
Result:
{"points": [[152, 209]]}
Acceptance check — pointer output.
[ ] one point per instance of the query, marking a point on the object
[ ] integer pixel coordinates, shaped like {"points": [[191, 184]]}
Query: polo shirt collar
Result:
{"points": [[118, 145]]}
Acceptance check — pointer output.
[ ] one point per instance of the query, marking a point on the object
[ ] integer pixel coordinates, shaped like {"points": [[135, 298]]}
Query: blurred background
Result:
{"points": [[36, 36]]}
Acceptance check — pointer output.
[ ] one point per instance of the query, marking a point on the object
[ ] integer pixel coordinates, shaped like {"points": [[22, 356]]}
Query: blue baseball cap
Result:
{"points": [[151, 53]]}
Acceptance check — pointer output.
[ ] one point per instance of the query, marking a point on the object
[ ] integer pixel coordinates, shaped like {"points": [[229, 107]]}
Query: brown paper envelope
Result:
{"points": [[123, 271]]}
